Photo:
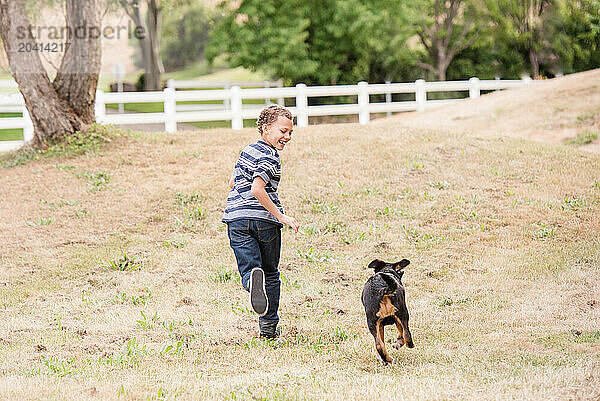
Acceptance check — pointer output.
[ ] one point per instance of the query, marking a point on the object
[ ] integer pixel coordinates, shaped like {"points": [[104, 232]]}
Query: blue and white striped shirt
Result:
{"points": [[256, 160]]}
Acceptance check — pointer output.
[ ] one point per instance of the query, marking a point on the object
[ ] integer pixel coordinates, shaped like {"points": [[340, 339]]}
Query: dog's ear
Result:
{"points": [[376, 265], [402, 264]]}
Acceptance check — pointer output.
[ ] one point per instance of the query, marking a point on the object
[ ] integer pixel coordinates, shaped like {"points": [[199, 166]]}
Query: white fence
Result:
{"points": [[233, 109], [195, 84]]}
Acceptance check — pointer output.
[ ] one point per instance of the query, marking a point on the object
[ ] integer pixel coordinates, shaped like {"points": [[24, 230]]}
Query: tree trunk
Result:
{"points": [[149, 42], [67, 106], [154, 68], [77, 78], [535, 64]]}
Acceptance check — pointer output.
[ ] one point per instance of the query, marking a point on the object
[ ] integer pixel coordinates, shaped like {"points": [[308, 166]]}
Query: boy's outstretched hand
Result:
{"points": [[290, 221]]}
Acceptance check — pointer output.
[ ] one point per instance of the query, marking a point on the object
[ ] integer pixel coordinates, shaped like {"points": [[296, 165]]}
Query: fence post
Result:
{"points": [[237, 122], [363, 103], [474, 88], [301, 106], [28, 126], [388, 97], [100, 107], [280, 101], [171, 83], [169, 110], [227, 102], [420, 94], [267, 100]]}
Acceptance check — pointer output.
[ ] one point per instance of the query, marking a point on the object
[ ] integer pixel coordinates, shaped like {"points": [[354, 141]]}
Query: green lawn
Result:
{"points": [[11, 134]]}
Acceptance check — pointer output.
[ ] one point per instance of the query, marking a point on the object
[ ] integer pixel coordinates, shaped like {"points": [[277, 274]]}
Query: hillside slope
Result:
{"points": [[554, 110]]}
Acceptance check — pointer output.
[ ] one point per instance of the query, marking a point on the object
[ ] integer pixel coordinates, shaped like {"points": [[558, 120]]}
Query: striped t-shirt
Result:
{"points": [[256, 160]]}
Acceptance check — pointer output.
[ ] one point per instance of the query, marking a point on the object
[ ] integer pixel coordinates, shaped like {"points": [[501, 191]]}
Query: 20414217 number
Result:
{"points": [[44, 47]]}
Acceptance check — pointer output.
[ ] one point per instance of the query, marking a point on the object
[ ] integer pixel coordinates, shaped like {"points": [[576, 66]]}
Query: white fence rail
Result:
{"points": [[231, 106]]}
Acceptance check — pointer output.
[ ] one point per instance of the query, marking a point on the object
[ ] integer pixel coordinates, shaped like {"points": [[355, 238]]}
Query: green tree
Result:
{"points": [[526, 26], [310, 41], [184, 35], [582, 27], [445, 28]]}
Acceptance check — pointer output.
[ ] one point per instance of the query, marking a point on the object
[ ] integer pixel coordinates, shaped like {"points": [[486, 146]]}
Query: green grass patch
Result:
{"points": [[80, 143], [11, 134], [583, 138]]}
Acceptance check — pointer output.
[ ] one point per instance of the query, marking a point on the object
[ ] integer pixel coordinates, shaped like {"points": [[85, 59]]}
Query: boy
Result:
{"points": [[254, 215]]}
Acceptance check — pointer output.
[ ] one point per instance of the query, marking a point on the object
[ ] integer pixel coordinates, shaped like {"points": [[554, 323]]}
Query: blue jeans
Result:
{"points": [[257, 243]]}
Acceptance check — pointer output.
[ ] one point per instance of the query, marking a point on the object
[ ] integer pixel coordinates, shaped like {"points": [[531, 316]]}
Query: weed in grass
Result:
{"points": [[583, 138], [62, 167], [335, 227], [324, 208], [470, 215], [19, 158], [126, 263], [421, 240], [574, 204], [58, 204], [313, 256], [447, 301], [388, 211], [82, 213], [544, 231], [596, 184], [96, 181], [192, 218], [177, 243], [146, 323], [586, 116], [221, 275], [340, 335], [195, 214], [372, 191], [353, 239], [509, 192], [60, 367], [240, 309], [440, 185], [194, 155], [82, 143], [41, 222], [123, 298], [415, 162], [183, 199], [310, 229], [292, 284], [132, 353]]}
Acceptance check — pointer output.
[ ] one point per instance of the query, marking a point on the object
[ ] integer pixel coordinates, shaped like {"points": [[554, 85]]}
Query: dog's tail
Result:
{"points": [[392, 283]]}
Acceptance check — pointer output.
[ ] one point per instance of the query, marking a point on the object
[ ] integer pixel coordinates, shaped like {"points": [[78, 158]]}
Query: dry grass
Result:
{"points": [[557, 110], [503, 288]]}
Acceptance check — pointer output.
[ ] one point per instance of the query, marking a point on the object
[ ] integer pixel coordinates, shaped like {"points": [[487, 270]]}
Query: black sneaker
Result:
{"points": [[258, 295]]}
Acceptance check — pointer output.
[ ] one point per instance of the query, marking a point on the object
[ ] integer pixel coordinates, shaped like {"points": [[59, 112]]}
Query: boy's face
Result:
{"points": [[279, 133]]}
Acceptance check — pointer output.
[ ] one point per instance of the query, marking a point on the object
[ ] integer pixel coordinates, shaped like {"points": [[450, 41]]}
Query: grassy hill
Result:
{"points": [[117, 280], [561, 110]]}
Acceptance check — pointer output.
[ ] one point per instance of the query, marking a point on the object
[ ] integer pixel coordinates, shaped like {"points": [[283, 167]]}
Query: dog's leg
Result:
{"points": [[406, 336], [380, 344], [399, 342]]}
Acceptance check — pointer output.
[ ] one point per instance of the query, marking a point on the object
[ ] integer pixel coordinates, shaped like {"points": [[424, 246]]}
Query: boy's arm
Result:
{"points": [[258, 191], [231, 182]]}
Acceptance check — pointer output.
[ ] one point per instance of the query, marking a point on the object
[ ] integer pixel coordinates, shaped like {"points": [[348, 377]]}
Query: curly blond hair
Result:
{"points": [[270, 114]]}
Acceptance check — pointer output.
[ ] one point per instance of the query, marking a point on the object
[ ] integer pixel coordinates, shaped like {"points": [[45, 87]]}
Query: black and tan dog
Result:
{"points": [[384, 302]]}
